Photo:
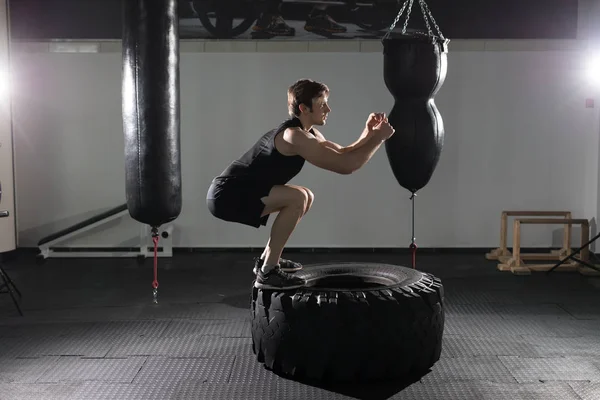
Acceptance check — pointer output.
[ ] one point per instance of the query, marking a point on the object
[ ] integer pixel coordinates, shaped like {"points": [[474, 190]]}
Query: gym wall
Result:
{"points": [[518, 136]]}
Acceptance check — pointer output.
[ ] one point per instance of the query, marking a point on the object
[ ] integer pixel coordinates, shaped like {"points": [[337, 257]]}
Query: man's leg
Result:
{"points": [[291, 204], [310, 198]]}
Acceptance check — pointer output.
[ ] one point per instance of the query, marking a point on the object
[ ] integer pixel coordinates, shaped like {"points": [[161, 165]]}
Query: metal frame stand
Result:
{"points": [[46, 249], [572, 256]]}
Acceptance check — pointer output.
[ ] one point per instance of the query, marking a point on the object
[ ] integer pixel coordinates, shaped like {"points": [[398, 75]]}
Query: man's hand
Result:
{"points": [[383, 130], [374, 120]]}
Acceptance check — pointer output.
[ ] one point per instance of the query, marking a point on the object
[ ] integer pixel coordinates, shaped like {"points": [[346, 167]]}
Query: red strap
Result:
{"points": [[413, 248], [155, 283]]}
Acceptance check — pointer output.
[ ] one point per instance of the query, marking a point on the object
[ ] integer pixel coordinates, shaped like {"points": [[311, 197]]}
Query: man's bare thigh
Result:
{"points": [[282, 196]]}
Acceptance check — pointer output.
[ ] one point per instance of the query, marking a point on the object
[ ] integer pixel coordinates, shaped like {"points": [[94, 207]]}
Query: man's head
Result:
{"points": [[307, 100]]}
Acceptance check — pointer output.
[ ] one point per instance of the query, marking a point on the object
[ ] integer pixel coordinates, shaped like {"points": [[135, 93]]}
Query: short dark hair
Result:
{"points": [[304, 91]]}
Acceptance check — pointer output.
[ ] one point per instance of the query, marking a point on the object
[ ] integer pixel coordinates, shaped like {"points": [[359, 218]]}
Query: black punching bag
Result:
{"points": [[150, 95], [415, 68]]}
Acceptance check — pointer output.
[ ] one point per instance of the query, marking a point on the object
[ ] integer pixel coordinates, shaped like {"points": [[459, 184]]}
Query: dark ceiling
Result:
{"points": [[458, 19]]}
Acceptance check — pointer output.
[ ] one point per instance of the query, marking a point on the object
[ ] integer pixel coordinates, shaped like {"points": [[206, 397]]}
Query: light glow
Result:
{"points": [[5, 86], [592, 69]]}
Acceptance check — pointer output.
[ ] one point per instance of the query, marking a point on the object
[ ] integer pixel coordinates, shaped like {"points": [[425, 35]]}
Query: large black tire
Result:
{"points": [[351, 322]]}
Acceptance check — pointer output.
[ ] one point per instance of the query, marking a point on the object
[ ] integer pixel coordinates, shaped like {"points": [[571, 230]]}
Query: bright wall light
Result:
{"points": [[5, 83], [592, 69]]}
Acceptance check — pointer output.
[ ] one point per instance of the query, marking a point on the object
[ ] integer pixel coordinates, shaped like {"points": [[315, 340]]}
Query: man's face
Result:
{"points": [[320, 110]]}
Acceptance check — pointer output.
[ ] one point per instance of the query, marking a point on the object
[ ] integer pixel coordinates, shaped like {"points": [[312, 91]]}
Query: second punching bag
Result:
{"points": [[415, 66], [151, 113]]}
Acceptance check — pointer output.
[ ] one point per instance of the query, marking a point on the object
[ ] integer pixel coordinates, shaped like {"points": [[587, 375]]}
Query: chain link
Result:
{"points": [[437, 28], [393, 26], [426, 13], [410, 4], [425, 18]]}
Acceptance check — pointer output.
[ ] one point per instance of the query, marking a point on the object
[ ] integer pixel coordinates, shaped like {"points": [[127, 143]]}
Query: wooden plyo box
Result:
{"points": [[516, 264], [503, 255]]}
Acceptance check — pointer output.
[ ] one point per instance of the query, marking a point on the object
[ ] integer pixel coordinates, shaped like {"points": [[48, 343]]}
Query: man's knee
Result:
{"points": [[310, 197], [291, 197], [302, 200], [305, 198]]}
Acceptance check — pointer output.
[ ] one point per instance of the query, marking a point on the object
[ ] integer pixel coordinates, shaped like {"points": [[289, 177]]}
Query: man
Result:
{"points": [[255, 185]]}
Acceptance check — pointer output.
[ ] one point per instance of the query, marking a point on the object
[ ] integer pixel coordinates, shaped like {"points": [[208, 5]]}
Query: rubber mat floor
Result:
{"points": [[91, 331]]}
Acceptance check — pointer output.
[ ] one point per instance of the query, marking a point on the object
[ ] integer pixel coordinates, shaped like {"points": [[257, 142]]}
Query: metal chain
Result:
{"points": [[410, 4], [426, 13], [437, 28], [393, 26], [421, 2]]}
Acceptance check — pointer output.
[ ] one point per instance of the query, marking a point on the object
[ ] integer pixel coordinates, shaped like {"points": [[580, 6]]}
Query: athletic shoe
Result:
{"points": [[322, 23], [277, 279], [273, 25], [289, 266], [286, 265]]}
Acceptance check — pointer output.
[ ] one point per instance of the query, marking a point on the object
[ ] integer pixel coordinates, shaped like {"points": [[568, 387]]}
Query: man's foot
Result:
{"points": [[277, 279], [322, 23], [289, 265], [272, 24], [285, 265]]}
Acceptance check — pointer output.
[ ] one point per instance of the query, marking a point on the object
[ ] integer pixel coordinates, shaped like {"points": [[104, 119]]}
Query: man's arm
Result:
{"points": [[313, 151], [374, 120], [332, 145], [359, 156], [361, 140]]}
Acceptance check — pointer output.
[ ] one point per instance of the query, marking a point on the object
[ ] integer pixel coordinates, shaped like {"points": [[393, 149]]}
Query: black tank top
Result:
{"points": [[263, 163]]}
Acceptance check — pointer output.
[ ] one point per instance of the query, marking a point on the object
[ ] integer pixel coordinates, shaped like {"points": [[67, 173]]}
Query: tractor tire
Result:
{"points": [[356, 322]]}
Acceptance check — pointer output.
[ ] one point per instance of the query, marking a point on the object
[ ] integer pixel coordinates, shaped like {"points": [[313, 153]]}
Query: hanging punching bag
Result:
{"points": [[150, 95], [415, 66], [414, 70], [150, 91]]}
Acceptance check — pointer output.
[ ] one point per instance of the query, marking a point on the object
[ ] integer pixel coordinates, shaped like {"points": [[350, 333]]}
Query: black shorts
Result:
{"points": [[238, 200]]}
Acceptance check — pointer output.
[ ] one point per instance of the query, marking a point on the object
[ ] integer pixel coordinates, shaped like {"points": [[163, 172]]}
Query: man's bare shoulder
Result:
{"points": [[318, 134], [294, 134], [293, 130]]}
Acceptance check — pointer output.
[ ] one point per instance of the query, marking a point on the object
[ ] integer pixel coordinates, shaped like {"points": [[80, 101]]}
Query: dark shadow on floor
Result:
{"points": [[377, 390]]}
